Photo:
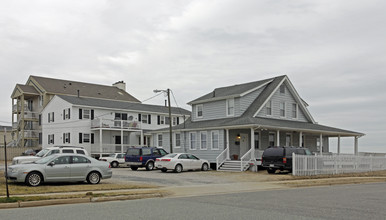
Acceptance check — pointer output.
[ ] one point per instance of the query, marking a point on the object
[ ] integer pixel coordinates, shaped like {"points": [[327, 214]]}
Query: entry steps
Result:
{"points": [[233, 166]]}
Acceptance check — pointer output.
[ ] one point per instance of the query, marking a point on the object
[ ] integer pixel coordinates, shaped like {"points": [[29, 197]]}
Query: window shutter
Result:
{"points": [[64, 138], [158, 119], [69, 113], [80, 113], [69, 138], [53, 117], [92, 114], [92, 138], [139, 117], [49, 139], [178, 120], [64, 114], [53, 139], [80, 138], [49, 117], [149, 119]]}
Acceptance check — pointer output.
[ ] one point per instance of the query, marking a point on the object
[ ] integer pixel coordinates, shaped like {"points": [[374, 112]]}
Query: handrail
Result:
{"points": [[243, 163], [222, 156]]}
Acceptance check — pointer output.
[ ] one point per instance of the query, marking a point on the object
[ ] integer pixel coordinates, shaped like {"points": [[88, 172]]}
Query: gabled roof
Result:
{"points": [[231, 91], [120, 105], [67, 87]]}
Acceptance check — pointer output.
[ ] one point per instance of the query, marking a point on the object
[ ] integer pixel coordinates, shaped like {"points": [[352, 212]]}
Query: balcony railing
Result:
{"points": [[31, 134], [115, 124]]}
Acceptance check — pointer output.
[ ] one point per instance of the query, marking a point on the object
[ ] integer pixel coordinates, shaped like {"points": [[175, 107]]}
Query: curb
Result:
{"points": [[76, 201]]}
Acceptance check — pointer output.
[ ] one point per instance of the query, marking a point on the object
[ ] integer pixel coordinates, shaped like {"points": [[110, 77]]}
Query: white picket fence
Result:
{"points": [[308, 165]]}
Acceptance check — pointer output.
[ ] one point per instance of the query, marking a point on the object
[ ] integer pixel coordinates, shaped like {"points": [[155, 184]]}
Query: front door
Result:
{"points": [[244, 146]]}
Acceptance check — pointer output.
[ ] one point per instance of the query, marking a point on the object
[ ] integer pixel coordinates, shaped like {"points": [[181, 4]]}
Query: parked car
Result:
{"points": [[49, 151], [143, 157], [60, 168], [181, 161], [280, 158], [115, 159], [30, 152]]}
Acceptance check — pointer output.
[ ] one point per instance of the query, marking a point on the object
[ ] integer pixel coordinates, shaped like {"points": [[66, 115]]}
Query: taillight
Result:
{"points": [[165, 160], [140, 158], [109, 165], [284, 160], [157, 159]]}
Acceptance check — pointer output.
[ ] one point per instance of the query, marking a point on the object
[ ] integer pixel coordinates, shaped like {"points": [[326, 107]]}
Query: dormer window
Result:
{"points": [[230, 107], [199, 111]]}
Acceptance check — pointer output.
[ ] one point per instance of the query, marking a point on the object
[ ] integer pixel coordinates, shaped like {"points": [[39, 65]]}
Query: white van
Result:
{"points": [[49, 151]]}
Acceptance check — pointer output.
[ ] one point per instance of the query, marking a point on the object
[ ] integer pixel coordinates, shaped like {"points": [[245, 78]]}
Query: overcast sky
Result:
{"points": [[334, 52]]}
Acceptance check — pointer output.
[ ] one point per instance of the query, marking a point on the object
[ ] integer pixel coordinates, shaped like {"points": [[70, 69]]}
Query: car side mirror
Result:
{"points": [[52, 163]]}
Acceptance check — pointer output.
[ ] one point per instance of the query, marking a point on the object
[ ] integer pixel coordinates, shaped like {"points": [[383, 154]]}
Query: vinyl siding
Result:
{"points": [[286, 98], [247, 100]]}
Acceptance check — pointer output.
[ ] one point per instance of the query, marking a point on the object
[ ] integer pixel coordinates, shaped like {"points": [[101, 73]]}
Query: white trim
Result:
{"points": [[175, 140], [226, 107], [159, 140], [190, 141], [268, 98], [218, 139], [284, 104], [291, 139], [202, 111], [297, 111], [206, 141], [254, 89]]}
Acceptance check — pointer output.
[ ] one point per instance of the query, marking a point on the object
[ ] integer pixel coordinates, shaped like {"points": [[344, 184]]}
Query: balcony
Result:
{"points": [[31, 134], [115, 124]]}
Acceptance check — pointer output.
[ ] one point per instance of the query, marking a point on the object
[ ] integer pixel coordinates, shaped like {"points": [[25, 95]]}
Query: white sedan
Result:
{"points": [[181, 161], [115, 159]]}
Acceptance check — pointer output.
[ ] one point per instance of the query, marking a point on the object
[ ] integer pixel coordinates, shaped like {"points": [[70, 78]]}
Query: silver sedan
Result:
{"points": [[181, 161], [60, 168]]}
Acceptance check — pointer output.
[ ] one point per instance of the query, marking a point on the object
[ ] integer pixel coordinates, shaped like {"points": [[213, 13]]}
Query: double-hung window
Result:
{"points": [[192, 138], [203, 145], [51, 139], [282, 109], [215, 135], [66, 113], [230, 105], [160, 140], [268, 106], [294, 110], [51, 117], [177, 140], [66, 138], [199, 111]]}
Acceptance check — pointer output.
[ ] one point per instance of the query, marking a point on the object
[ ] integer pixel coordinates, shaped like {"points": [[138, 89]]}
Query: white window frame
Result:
{"points": [[174, 120], [295, 110], [162, 120], [230, 104], [290, 139], [86, 115], [198, 107], [67, 113], [67, 138], [282, 110], [282, 89], [144, 119], [86, 138], [268, 106], [51, 139], [257, 138], [274, 138], [204, 142], [213, 147], [192, 143], [159, 140], [175, 140]]}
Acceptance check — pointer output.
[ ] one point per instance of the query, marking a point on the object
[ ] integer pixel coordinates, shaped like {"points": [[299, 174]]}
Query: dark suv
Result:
{"points": [[280, 158], [143, 157]]}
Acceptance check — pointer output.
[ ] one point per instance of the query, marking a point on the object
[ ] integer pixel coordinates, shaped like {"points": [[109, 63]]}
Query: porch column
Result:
{"points": [[121, 139], [321, 144], [338, 144], [300, 138], [100, 140], [227, 143], [356, 145], [253, 143], [277, 138]]}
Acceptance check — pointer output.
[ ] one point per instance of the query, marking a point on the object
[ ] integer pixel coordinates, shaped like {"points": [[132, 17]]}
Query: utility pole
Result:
{"points": [[170, 117], [6, 165]]}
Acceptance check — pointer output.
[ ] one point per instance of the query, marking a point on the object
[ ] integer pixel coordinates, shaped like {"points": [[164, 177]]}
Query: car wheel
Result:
{"points": [[178, 168], [150, 165], [93, 178], [205, 167], [114, 164], [34, 179], [271, 171], [164, 170], [134, 168]]}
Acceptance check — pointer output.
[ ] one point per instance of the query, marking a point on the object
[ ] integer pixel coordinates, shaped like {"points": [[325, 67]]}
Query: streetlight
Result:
{"points": [[170, 116]]}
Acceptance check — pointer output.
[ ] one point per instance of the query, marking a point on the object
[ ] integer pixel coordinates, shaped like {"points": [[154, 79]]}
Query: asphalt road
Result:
{"points": [[362, 201]]}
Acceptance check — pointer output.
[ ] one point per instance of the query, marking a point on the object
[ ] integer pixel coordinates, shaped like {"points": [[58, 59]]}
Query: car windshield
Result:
{"points": [[45, 159], [170, 155], [42, 152], [308, 152]]}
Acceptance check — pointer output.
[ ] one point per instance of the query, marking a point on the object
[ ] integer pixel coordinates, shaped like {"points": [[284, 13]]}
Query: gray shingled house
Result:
{"points": [[232, 125]]}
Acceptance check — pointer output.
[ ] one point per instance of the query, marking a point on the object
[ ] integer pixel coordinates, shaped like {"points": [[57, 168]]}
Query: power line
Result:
{"points": [[152, 97]]}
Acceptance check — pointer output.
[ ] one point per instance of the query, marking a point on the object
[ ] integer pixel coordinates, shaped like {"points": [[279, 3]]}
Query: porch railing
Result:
{"points": [[246, 158], [115, 124], [111, 148], [220, 159]]}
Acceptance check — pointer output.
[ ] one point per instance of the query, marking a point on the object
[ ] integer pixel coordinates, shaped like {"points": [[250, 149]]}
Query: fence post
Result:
{"points": [[293, 164]]}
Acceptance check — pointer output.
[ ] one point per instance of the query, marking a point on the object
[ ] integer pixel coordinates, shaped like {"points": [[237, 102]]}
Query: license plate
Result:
{"points": [[159, 166], [272, 165]]}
